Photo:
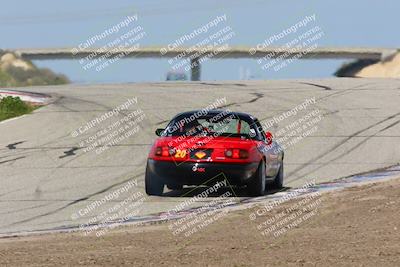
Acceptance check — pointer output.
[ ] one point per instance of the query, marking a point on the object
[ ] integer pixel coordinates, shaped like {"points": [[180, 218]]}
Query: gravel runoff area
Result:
{"points": [[358, 226]]}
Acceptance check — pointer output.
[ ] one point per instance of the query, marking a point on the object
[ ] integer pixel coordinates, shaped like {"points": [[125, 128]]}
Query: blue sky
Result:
{"points": [[26, 24]]}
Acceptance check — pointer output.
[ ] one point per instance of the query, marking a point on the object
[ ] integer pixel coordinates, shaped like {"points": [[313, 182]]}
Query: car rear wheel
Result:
{"points": [[153, 184], [257, 185], [278, 181]]}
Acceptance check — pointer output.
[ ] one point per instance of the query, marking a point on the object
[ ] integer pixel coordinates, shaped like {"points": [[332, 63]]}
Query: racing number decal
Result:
{"points": [[180, 153]]}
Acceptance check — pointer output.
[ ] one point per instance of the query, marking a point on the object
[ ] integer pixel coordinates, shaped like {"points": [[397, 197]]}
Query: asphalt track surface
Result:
{"points": [[46, 177]]}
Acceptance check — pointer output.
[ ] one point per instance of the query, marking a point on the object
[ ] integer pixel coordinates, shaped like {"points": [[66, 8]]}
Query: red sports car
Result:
{"points": [[205, 146]]}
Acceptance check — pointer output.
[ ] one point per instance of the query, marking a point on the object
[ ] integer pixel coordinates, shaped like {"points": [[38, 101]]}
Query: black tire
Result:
{"points": [[278, 181], [256, 187], [153, 184], [174, 187]]}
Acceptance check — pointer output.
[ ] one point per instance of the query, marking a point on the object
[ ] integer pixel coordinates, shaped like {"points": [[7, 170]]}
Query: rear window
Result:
{"points": [[221, 124]]}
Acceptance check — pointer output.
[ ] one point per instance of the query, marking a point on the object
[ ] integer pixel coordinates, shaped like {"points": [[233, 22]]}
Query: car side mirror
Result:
{"points": [[159, 131], [269, 138]]}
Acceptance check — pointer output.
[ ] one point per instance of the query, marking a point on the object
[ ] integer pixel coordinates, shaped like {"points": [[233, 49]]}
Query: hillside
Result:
{"points": [[15, 72], [388, 68]]}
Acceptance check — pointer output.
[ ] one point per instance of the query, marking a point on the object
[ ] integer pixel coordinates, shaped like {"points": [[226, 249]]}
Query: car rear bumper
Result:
{"points": [[192, 173]]}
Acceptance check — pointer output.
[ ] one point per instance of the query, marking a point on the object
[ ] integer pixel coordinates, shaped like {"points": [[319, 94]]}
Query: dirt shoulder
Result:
{"points": [[359, 226]]}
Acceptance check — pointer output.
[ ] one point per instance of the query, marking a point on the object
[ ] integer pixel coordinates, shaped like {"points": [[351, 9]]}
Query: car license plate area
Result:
{"points": [[201, 154]]}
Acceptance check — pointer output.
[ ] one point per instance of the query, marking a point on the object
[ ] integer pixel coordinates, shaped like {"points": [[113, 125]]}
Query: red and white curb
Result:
{"points": [[32, 98]]}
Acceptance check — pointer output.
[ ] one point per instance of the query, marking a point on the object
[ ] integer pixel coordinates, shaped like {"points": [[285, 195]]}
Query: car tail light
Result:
{"points": [[164, 151], [172, 151], [158, 151], [243, 154], [236, 153]]}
